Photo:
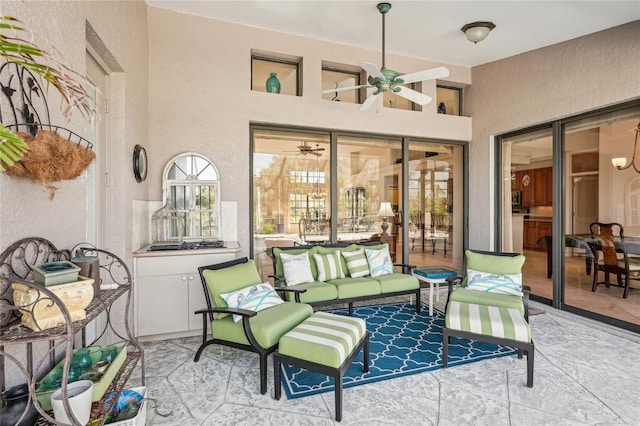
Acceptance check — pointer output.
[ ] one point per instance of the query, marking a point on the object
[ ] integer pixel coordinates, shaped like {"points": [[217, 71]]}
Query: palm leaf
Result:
{"points": [[11, 148]]}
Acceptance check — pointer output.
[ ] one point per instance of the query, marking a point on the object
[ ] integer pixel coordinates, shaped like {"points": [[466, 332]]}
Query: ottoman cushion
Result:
{"points": [[507, 323], [323, 338]]}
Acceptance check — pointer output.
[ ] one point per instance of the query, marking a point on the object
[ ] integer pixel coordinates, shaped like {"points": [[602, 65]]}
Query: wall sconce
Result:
{"points": [[620, 163], [477, 31], [385, 213]]}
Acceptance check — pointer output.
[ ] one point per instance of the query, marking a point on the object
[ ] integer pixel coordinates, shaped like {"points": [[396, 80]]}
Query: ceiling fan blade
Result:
{"points": [[413, 96], [372, 70], [343, 89], [439, 72], [368, 103]]}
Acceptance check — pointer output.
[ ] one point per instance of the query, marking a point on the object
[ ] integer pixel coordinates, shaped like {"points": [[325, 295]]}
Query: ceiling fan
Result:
{"points": [[305, 149], [384, 79]]}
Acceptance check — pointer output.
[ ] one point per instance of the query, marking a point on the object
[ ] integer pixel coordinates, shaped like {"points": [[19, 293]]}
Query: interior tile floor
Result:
{"points": [[586, 373]]}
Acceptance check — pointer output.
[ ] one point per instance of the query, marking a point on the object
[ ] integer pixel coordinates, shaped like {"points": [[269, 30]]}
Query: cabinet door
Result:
{"points": [[196, 301], [539, 187], [544, 228], [549, 196], [527, 187], [162, 304], [516, 184], [530, 234]]}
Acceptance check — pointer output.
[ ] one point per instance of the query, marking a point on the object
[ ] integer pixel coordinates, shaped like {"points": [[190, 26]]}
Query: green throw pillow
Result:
{"points": [[356, 263], [329, 266]]}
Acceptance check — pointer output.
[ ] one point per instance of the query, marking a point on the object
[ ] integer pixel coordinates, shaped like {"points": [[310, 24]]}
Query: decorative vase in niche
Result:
{"points": [[442, 109], [273, 84]]}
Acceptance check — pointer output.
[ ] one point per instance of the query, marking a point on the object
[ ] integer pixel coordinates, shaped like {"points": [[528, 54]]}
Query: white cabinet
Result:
{"points": [[169, 290]]}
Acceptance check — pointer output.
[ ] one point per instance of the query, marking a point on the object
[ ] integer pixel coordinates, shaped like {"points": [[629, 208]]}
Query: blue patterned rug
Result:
{"points": [[402, 342]]}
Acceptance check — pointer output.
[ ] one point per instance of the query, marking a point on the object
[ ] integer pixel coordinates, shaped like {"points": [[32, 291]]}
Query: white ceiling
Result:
{"points": [[424, 29]]}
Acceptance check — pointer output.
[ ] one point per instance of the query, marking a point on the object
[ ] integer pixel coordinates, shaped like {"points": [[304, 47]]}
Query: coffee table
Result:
{"points": [[434, 276]]}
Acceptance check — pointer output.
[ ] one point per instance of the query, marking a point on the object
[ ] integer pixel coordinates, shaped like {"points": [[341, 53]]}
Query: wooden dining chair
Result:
{"points": [[606, 230], [613, 259]]}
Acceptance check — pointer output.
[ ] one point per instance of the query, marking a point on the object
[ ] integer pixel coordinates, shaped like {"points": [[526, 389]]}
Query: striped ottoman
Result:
{"points": [[324, 343], [492, 324]]}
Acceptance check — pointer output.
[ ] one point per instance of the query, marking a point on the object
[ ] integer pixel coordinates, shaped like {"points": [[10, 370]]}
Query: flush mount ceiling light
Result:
{"points": [[477, 31], [620, 163]]}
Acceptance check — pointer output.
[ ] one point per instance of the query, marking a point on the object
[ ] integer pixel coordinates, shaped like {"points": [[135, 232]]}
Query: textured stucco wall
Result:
{"points": [[201, 98], [59, 27], [557, 81]]}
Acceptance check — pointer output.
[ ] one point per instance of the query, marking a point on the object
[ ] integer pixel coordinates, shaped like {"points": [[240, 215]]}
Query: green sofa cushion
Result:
{"points": [[356, 287], [464, 295], [397, 282], [317, 291], [227, 280], [501, 322], [324, 338], [267, 327]]}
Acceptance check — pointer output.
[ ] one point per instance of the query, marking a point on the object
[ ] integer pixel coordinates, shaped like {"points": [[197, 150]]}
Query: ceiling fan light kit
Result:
{"points": [[384, 79], [477, 31]]}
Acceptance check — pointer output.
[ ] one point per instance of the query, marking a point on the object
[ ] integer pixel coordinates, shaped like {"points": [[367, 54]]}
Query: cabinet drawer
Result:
{"points": [[168, 265]]}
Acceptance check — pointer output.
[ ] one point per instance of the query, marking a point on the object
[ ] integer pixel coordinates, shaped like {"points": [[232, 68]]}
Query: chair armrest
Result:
{"points": [[277, 278], [451, 281], [235, 311], [526, 291], [406, 268], [295, 291]]}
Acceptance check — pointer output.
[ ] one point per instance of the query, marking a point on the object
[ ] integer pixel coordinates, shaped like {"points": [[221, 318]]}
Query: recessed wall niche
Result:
{"points": [[276, 73]]}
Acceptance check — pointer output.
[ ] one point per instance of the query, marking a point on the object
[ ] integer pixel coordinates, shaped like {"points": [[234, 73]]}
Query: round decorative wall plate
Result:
{"points": [[139, 163]]}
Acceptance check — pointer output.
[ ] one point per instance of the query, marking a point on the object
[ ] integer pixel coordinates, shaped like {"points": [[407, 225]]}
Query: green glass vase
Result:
{"points": [[273, 84]]}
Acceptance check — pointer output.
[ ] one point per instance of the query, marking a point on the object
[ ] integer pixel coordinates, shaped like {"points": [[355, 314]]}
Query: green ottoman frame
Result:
{"points": [[323, 343], [491, 324]]}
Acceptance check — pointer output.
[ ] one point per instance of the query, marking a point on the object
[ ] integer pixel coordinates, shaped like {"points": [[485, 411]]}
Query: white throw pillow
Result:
{"points": [[329, 266], [297, 268], [254, 298], [379, 261], [494, 283]]}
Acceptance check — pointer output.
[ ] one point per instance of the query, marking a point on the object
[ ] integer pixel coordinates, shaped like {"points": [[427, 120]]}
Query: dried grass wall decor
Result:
{"points": [[51, 158]]}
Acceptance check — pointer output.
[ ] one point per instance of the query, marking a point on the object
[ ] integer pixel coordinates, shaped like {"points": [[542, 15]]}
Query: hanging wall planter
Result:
{"points": [[51, 158]]}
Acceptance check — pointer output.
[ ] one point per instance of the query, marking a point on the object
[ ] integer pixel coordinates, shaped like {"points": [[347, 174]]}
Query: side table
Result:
{"points": [[434, 276]]}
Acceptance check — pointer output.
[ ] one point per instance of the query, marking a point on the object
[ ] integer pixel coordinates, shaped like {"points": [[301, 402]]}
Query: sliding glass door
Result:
{"points": [[579, 214]]}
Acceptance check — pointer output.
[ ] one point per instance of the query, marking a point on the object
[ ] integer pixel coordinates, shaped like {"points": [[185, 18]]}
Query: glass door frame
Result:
{"points": [[334, 134], [558, 204]]}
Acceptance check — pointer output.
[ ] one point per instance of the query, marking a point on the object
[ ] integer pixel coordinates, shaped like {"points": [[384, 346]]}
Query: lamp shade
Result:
{"points": [[385, 210], [619, 162], [477, 31]]}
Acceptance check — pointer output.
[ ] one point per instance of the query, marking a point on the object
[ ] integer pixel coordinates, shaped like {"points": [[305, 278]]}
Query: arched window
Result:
{"points": [[191, 182]]}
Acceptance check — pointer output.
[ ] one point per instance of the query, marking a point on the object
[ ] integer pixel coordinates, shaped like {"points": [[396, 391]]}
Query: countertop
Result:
{"points": [[539, 218], [230, 247]]}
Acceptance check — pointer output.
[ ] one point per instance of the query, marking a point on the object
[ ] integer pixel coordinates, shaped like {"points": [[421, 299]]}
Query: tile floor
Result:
{"points": [[585, 374]]}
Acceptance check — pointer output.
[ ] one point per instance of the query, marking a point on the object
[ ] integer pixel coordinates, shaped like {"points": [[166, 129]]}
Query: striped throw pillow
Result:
{"points": [[494, 283], [254, 298], [329, 266], [356, 263]]}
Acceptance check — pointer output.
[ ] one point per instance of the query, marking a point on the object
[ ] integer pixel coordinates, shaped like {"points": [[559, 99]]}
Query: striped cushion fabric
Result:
{"points": [[507, 323], [323, 338], [494, 283], [254, 298], [329, 266], [356, 263]]}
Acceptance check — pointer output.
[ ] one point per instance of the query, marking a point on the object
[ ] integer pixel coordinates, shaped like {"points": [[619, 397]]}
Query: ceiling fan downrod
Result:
{"points": [[383, 8]]}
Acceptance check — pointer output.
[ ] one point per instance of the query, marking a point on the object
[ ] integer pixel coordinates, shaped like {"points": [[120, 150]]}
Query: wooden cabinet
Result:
{"points": [[516, 183], [169, 290], [537, 189], [533, 231]]}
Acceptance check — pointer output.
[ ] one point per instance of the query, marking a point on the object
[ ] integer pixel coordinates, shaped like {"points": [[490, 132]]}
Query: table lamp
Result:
{"points": [[385, 213]]}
